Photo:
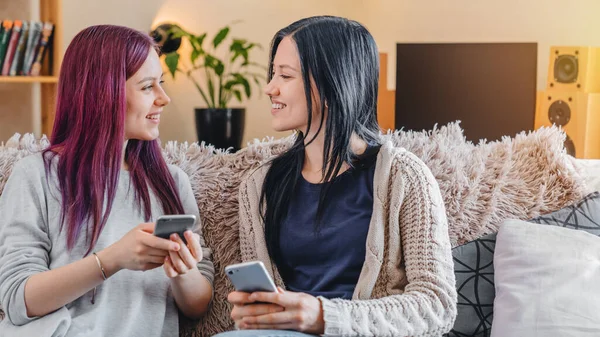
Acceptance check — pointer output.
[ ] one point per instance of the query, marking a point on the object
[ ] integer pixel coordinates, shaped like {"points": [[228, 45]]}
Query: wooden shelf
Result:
{"points": [[28, 79], [49, 10]]}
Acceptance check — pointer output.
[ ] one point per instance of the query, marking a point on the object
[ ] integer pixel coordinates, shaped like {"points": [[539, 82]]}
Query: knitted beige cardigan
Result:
{"points": [[406, 286]]}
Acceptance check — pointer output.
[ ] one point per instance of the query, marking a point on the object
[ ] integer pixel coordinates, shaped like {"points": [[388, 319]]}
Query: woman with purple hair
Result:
{"points": [[77, 253]]}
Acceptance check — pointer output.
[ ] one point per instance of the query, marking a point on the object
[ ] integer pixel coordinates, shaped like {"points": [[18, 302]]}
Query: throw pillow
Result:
{"points": [[583, 215], [474, 272], [474, 267], [546, 281]]}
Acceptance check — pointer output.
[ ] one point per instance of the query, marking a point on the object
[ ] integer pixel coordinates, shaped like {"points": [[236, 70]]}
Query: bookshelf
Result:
{"points": [[50, 10], [28, 79]]}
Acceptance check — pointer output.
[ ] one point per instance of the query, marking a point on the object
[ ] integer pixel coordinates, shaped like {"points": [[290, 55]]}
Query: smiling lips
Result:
{"points": [[154, 117], [276, 106]]}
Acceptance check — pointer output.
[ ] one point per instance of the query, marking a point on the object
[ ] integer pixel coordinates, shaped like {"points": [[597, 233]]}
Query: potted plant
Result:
{"points": [[219, 76]]}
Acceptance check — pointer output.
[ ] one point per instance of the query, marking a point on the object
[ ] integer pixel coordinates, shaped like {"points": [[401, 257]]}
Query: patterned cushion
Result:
{"points": [[584, 215], [474, 268], [474, 272]]}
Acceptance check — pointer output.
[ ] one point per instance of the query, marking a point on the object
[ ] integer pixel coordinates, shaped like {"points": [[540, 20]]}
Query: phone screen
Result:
{"points": [[167, 225]]}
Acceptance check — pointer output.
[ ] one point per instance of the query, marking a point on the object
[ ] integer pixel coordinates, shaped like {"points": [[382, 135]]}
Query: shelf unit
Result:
{"points": [[50, 10]]}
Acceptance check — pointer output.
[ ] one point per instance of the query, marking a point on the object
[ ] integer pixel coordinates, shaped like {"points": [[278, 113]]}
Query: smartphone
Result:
{"points": [[250, 276], [169, 224]]}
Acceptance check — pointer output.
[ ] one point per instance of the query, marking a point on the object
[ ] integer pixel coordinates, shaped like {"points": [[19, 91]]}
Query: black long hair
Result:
{"points": [[341, 57]]}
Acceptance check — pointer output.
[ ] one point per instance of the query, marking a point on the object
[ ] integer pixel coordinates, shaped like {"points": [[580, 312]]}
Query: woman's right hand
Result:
{"points": [[243, 307], [139, 249]]}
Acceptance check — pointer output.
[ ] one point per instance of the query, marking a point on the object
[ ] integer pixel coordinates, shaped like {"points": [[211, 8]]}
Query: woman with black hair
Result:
{"points": [[354, 228]]}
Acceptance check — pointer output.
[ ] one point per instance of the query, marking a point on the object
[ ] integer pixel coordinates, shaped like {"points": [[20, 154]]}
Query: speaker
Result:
{"points": [[574, 69], [578, 113]]}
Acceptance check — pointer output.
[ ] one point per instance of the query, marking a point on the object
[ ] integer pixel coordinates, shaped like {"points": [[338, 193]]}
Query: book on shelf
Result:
{"points": [[4, 37], [35, 31], [23, 47], [12, 46], [17, 62], [42, 47]]}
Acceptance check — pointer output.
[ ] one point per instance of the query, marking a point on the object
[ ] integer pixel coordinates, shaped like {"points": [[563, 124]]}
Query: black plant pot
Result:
{"points": [[223, 128]]}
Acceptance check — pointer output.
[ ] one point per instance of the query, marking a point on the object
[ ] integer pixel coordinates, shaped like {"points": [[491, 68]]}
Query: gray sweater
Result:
{"points": [[130, 303]]}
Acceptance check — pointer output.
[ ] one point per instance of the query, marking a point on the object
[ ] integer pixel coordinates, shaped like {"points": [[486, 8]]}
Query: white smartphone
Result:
{"points": [[169, 224], [250, 276]]}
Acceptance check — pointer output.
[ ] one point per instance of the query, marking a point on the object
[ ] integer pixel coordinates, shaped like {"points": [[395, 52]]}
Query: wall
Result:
{"points": [[198, 16], [268, 16], [547, 22]]}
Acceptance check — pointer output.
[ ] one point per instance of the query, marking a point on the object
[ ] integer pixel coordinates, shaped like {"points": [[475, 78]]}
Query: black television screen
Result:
{"points": [[490, 87]]}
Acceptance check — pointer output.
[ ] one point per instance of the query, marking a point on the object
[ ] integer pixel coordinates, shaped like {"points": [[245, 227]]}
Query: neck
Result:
{"points": [[313, 152], [124, 165], [312, 168]]}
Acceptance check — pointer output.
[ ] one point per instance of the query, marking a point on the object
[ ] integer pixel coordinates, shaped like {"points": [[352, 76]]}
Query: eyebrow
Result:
{"points": [[149, 78], [281, 66]]}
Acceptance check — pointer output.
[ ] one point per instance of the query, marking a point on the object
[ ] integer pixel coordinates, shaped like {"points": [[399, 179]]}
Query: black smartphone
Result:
{"points": [[169, 224]]}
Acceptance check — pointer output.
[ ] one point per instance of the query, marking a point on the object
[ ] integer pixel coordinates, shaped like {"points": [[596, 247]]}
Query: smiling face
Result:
{"points": [[286, 90], [145, 100]]}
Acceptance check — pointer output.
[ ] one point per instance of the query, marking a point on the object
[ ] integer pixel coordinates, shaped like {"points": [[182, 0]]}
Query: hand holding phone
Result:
{"points": [[250, 276], [169, 224]]}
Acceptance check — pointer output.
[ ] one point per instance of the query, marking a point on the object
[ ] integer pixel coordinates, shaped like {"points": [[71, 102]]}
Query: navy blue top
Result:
{"points": [[328, 264]]}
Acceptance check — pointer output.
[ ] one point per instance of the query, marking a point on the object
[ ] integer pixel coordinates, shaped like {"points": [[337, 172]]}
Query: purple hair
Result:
{"points": [[89, 132]]}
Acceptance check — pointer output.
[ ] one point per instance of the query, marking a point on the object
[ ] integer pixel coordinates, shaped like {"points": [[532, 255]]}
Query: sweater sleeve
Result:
{"points": [[186, 194], [427, 307], [249, 198], [24, 240]]}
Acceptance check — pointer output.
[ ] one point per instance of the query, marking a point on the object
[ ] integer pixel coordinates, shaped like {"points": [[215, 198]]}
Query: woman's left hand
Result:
{"points": [[187, 258], [302, 312]]}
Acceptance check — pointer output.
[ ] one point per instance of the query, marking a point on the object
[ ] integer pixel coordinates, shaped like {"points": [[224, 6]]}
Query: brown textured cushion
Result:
{"points": [[482, 184]]}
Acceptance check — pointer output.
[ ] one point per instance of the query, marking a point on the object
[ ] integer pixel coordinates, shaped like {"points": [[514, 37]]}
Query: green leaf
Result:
{"points": [[197, 41], [238, 95], [236, 48], [220, 37], [177, 32], [236, 54], [215, 64], [244, 82], [219, 68], [195, 55], [229, 84], [211, 61], [237, 44], [172, 60], [245, 55], [211, 90]]}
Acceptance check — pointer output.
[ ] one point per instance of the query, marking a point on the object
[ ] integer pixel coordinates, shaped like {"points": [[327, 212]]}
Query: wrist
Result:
{"points": [[190, 275], [109, 261], [320, 325]]}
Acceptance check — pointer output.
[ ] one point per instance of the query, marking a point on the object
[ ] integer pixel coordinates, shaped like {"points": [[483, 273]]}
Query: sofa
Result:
{"points": [[483, 184]]}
